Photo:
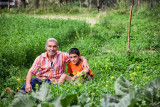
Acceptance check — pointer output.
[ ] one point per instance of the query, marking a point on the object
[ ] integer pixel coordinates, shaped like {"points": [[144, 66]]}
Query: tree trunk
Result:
{"points": [[138, 3], [80, 5], [132, 2], [8, 4], [16, 3], [61, 1], [24, 3], [36, 4], [90, 5], [151, 4], [43, 4], [141, 3], [98, 5]]}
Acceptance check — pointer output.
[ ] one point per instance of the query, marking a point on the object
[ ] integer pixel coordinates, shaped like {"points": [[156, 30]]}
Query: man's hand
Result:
{"points": [[28, 88], [85, 63]]}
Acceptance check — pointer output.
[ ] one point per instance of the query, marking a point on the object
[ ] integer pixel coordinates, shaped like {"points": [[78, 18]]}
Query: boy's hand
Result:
{"points": [[79, 74]]}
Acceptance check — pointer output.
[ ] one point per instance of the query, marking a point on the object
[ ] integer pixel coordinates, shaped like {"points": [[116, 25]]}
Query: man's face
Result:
{"points": [[51, 48], [74, 58]]}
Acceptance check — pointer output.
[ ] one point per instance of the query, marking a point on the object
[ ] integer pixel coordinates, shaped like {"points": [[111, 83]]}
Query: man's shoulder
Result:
{"points": [[63, 53], [42, 55], [60, 52]]}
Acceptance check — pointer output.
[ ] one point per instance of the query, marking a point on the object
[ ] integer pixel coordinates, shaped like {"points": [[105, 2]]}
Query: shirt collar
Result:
{"points": [[45, 54]]}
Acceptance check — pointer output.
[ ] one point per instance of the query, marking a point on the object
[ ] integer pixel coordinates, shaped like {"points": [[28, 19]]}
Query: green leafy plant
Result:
{"points": [[152, 93], [43, 98], [127, 96]]}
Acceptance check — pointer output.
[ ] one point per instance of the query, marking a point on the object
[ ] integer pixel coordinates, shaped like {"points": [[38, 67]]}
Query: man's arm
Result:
{"points": [[28, 87], [33, 70], [85, 63]]}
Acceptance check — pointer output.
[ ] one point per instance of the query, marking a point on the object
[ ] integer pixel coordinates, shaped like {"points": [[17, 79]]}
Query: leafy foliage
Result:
{"points": [[133, 95], [23, 38], [23, 101], [152, 92], [43, 98], [44, 94]]}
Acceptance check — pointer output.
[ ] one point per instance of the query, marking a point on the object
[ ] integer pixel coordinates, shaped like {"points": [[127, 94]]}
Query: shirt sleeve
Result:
{"points": [[67, 58], [35, 67], [69, 69]]}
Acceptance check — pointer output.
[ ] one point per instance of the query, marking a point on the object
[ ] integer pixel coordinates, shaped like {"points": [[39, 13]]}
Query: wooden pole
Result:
{"points": [[129, 29]]}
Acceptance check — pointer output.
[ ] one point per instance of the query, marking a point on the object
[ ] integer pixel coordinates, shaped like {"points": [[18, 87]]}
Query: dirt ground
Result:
{"points": [[84, 17]]}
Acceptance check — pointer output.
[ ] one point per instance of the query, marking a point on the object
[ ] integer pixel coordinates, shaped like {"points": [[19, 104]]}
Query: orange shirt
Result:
{"points": [[74, 69]]}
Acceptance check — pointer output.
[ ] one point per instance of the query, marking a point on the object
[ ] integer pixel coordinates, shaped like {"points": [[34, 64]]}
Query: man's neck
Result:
{"points": [[51, 57]]}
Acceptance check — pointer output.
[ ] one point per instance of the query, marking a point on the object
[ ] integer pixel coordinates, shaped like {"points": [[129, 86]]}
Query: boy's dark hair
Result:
{"points": [[74, 51]]}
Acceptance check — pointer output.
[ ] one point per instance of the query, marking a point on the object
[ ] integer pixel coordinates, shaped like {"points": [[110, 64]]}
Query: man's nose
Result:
{"points": [[52, 48]]}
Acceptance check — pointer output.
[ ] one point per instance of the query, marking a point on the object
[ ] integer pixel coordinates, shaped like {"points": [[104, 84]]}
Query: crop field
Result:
{"points": [[23, 38]]}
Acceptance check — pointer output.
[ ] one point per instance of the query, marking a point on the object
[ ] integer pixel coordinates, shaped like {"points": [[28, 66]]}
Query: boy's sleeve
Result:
{"points": [[69, 69]]}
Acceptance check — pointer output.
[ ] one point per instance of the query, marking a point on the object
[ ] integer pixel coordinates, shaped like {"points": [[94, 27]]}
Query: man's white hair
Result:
{"points": [[51, 39]]}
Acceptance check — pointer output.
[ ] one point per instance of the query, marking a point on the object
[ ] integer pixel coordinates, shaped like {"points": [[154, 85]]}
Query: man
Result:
{"points": [[51, 65]]}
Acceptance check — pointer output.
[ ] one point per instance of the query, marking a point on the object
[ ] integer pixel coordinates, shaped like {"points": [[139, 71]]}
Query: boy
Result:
{"points": [[75, 68]]}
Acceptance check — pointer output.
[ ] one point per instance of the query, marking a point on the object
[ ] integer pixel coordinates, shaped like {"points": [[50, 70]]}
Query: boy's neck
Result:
{"points": [[78, 62]]}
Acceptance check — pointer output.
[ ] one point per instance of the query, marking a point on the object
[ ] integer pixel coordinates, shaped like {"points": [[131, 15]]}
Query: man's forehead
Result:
{"points": [[51, 43]]}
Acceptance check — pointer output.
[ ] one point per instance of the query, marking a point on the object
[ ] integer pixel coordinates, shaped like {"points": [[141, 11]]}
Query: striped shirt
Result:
{"points": [[50, 70]]}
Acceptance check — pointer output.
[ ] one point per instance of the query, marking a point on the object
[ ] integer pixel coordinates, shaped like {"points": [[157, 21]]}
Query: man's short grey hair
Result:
{"points": [[51, 39]]}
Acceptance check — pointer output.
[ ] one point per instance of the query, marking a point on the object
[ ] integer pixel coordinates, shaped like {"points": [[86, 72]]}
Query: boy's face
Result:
{"points": [[74, 58]]}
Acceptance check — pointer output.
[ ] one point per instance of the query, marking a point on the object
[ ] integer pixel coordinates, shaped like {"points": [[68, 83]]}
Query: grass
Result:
{"points": [[104, 45]]}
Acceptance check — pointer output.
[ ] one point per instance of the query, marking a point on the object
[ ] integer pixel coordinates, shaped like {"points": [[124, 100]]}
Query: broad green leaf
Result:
{"points": [[121, 86], [44, 93], [109, 101], [129, 100], [89, 105], [46, 105], [138, 93], [84, 99], [69, 100], [152, 92], [23, 101], [56, 101]]}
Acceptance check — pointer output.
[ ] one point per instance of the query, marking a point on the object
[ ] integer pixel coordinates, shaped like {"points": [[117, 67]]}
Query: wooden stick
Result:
{"points": [[129, 29]]}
